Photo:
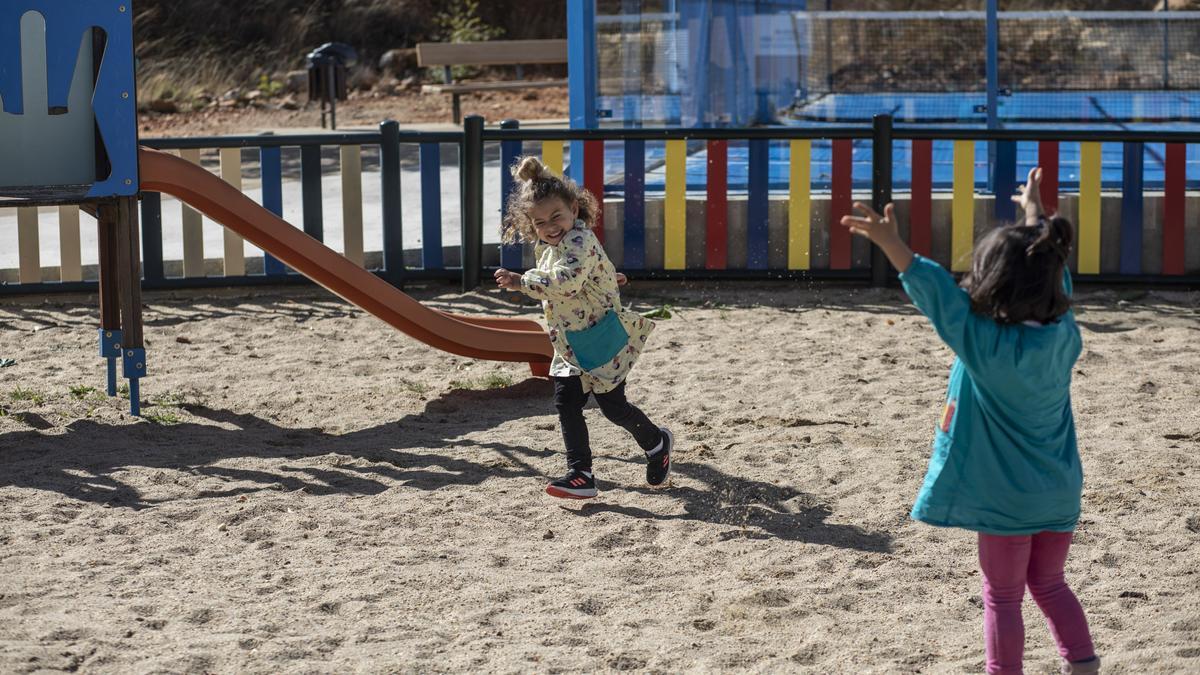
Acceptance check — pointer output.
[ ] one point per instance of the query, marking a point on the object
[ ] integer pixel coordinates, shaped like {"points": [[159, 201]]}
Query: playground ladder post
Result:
{"points": [[110, 309], [129, 281], [121, 296]]}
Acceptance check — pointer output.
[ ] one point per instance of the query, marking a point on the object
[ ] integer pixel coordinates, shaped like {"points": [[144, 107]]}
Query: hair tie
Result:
{"points": [[1046, 240]]}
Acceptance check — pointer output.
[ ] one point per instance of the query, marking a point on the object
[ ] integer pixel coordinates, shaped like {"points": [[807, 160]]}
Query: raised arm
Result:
{"points": [[930, 286]]}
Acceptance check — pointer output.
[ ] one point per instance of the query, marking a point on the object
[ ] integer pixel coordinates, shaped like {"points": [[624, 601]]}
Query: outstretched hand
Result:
{"points": [[873, 226], [1030, 197], [882, 231]]}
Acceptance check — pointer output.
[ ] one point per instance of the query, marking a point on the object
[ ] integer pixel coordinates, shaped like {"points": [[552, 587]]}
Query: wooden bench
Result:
{"points": [[492, 53]]}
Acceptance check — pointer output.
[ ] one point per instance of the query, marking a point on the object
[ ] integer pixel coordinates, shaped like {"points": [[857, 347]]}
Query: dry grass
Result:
{"points": [[189, 47]]}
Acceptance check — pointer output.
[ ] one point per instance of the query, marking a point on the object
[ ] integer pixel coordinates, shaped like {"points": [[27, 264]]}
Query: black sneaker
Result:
{"points": [[658, 463], [574, 485]]}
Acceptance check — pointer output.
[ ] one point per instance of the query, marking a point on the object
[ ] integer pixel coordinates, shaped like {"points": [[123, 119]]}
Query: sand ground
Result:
{"points": [[311, 491]]}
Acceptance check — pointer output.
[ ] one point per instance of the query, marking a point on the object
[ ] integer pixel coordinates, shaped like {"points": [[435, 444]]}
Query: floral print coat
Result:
{"points": [[577, 285]]}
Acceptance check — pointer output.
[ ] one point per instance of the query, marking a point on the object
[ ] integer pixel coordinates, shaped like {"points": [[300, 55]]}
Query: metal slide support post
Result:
{"points": [[389, 171], [993, 81], [110, 310], [129, 278], [881, 190], [472, 201], [581, 76]]}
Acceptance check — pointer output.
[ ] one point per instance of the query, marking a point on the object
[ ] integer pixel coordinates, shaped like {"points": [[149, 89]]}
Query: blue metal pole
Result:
{"points": [[1166, 45], [581, 76], [112, 377], [631, 64], [135, 397], [993, 80], [110, 350], [700, 68]]}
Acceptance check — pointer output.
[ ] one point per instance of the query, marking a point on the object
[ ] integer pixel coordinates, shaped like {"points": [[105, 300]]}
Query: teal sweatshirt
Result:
{"points": [[1005, 459]]}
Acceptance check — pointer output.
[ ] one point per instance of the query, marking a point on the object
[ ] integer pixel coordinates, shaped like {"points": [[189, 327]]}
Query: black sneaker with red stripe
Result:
{"points": [[658, 461], [574, 485]]}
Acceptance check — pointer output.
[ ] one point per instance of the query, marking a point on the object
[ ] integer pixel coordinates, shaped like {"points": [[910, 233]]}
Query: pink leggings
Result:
{"points": [[1008, 564]]}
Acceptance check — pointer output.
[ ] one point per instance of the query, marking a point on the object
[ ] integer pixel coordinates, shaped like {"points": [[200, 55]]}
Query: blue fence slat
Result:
{"points": [[1004, 181], [1131, 210], [635, 204], [271, 166], [310, 191], [757, 206], [510, 254], [152, 255], [431, 206]]}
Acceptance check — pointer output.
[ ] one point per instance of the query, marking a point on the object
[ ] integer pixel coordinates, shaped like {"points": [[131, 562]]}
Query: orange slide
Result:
{"points": [[495, 339]]}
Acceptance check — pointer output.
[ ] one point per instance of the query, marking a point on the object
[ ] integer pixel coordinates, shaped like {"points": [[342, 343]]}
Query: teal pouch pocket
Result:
{"points": [[599, 344]]}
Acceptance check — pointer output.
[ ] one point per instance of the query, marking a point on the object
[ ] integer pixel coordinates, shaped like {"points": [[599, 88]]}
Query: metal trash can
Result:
{"points": [[327, 66]]}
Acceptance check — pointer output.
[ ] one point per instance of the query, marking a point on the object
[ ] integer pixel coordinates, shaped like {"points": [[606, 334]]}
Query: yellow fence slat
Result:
{"points": [[193, 230], [235, 252], [70, 264], [552, 156], [962, 235], [29, 254], [352, 204], [800, 205], [675, 209], [1089, 208]]}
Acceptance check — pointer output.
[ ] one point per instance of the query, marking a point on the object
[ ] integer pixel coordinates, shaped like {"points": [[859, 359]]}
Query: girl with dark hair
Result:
{"points": [[596, 342], [1005, 462]]}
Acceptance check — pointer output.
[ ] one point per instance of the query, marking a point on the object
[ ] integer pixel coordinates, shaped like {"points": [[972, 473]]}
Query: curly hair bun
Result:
{"points": [[530, 168]]}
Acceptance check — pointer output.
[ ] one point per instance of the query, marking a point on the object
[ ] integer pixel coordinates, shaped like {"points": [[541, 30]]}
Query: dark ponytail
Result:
{"points": [[1017, 272]]}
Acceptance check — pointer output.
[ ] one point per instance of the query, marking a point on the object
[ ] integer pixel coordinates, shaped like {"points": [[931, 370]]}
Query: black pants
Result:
{"points": [[570, 398]]}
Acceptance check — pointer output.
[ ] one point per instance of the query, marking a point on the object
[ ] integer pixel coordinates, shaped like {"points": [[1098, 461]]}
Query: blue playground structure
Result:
{"points": [[68, 135], [739, 63]]}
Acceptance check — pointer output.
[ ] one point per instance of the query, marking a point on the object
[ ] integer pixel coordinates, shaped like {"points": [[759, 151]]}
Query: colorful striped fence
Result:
{"points": [[812, 222], [801, 237], [1086, 210], [234, 266]]}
